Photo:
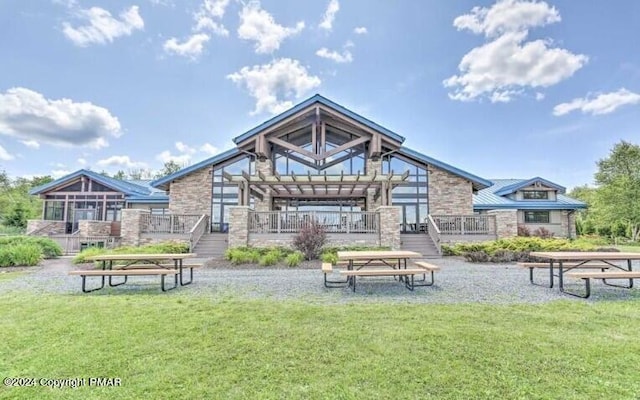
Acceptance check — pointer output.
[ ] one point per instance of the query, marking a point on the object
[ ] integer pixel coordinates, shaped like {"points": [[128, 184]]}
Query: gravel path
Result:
{"points": [[457, 282]]}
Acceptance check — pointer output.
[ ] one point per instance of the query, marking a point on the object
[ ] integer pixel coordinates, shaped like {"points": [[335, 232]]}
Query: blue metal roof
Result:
{"points": [[478, 183], [128, 188], [489, 199], [326, 102], [158, 183], [526, 183]]}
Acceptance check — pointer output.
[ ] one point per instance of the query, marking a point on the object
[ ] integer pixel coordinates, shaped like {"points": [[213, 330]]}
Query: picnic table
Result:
{"points": [[359, 261], [578, 259], [164, 264]]}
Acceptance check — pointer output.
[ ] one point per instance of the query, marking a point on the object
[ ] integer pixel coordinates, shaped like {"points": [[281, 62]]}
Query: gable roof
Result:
{"points": [[326, 102], [489, 199], [478, 183], [526, 183], [162, 182], [135, 191]]}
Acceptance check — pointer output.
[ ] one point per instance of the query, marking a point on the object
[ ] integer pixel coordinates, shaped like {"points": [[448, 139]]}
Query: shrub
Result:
{"points": [[542, 233], [270, 258], [329, 258], [476, 256], [523, 231], [23, 254], [48, 247], [310, 240], [294, 259]]}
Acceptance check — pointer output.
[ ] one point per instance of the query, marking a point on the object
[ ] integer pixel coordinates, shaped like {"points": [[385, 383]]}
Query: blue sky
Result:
{"points": [[507, 89]]}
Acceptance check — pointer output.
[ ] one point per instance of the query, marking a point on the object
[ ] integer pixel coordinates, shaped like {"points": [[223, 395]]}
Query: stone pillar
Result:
{"points": [[238, 226], [389, 226], [506, 222], [449, 194], [568, 223], [373, 165], [265, 166], [131, 226], [94, 228]]}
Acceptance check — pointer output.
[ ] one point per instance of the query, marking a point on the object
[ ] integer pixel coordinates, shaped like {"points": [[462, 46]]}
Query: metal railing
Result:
{"points": [[197, 231], [74, 243], [173, 223], [465, 224], [434, 232], [332, 221]]}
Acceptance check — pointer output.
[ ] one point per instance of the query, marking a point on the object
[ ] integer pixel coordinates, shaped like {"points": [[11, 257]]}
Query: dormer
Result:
{"points": [[535, 189]]}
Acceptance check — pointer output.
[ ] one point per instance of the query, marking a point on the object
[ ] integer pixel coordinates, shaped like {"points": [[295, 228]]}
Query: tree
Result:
{"points": [[168, 168], [618, 194], [120, 175]]}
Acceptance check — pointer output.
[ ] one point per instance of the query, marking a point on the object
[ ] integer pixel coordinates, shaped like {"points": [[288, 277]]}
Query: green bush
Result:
{"points": [[24, 254], [329, 257], [48, 247], [518, 248], [294, 259], [164, 247], [271, 258]]}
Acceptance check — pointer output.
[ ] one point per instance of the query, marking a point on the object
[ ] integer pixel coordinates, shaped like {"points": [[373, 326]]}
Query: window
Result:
{"points": [[535, 195], [53, 210], [536, 217], [159, 211]]}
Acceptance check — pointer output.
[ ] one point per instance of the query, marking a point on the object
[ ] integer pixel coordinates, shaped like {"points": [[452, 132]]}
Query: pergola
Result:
{"points": [[315, 186]]}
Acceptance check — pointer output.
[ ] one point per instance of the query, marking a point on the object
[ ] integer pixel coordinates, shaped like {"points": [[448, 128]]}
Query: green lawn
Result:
{"points": [[5, 275], [162, 346], [630, 249]]}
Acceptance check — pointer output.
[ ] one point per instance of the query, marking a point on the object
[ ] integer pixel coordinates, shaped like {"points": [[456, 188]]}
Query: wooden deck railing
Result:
{"points": [[465, 224], [332, 221], [74, 243], [173, 223], [434, 233], [197, 231]]}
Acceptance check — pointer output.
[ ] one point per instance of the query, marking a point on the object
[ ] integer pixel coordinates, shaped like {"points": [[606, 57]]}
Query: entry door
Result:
{"points": [[409, 218]]}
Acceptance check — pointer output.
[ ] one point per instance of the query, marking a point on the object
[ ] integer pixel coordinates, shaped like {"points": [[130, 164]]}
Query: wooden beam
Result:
{"points": [[293, 129], [227, 176], [405, 175], [277, 175], [246, 176], [302, 161], [261, 176], [314, 142], [279, 125], [345, 146], [339, 160], [296, 149], [257, 194]]}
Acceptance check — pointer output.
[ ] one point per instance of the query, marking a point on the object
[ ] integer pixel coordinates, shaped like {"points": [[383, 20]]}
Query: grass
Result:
{"points": [[7, 276], [629, 249], [163, 346]]}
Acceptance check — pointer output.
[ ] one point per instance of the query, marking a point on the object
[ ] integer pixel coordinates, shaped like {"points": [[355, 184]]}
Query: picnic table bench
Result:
{"points": [[567, 266], [139, 265], [604, 275]]}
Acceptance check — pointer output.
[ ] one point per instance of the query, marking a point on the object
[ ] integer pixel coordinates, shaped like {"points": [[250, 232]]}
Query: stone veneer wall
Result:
{"points": [[389, 226], [266, 167], [333, 239], [373, 165], [506, 222], [94, 228], [57, 227], [568, 223], [131, 226], [191, 194], [449, 194], [238, 226]]}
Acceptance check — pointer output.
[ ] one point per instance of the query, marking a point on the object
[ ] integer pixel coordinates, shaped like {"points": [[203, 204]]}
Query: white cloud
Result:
{"points": [[209, 15], [102, 26], [59, 173], [28, 115], [539, 96], [121, 161], [209, 149], [344, 57], [258, 25], [191, 47], [329, 15], [271, 83], [602, 104], [32, 144], [4, 155], [508, 65], [183, 148], [507, 16], [180, 159], [360, 30], [82, 161]]}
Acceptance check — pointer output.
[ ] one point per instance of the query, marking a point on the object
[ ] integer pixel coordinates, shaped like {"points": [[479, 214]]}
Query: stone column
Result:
{"points": [[94, 228], [265, 166], [389, 226], [238, 226], [568, 223], [131, 226], [373, 165], [506, 222]]}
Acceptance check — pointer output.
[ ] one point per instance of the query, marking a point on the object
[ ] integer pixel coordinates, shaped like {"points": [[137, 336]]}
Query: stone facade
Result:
{"points": [[333, 239], [238, 226], [191, 194], [54, 227], [506, 222], [131, 226], [449, 194], [389, 227], [373, 165], [94, 228], [265, 166], [568, 223]]}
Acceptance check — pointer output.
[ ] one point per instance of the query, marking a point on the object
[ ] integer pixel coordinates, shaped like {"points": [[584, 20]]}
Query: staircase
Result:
{"points": [[420, 243], [212, 245]]}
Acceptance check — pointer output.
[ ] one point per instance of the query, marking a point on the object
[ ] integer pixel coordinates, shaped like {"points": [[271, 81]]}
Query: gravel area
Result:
{"points": [[457, 282]]}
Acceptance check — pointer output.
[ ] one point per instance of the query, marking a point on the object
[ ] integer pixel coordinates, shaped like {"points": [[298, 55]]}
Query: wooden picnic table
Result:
{"points": [[580, 258], [395, 259], [161, 264]]}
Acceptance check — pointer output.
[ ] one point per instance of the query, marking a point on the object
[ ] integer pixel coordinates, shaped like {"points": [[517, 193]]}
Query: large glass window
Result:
{"points": [[535, 195], [536, 217], [412, 195], [225, 193], [54, 210]]}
